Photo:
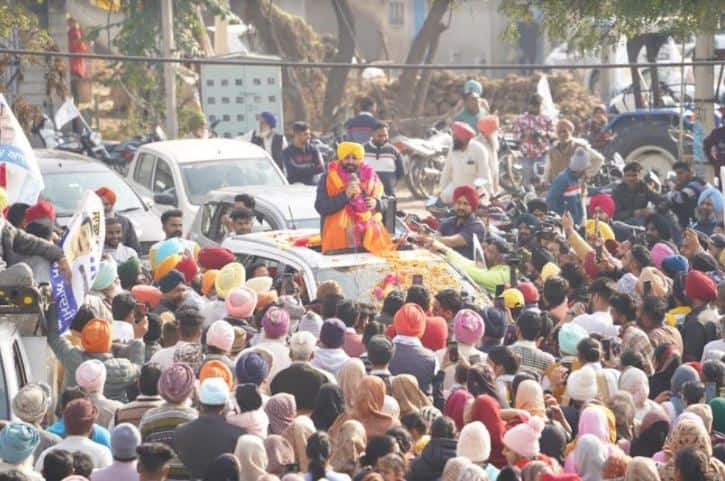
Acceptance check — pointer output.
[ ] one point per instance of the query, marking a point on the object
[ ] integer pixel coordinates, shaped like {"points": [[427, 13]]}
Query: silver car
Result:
{"points": [[286, 207], [68, 176]]}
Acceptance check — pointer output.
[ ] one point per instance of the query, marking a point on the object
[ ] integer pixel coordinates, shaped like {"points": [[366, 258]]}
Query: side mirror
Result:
{"points": [[148, 202], [165, 198]]}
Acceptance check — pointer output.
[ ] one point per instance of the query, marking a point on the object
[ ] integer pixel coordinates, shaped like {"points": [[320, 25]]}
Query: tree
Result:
{"points": [[140, 34], [337, 78], [423, 48], [593, 25], [19, 28]]}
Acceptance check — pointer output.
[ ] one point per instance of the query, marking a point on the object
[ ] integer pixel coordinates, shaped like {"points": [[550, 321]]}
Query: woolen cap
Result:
{"points": [[332, 333], [125, 438], [32, 401]]}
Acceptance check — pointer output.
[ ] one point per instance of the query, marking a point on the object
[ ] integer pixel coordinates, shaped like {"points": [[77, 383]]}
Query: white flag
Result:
{"points": [[65, 113], [547, 106], [19, 172]]}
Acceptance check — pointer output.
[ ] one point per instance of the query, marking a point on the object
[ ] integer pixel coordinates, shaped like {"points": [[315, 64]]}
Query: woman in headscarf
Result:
{"points": [[652, 434], [676, 405], [482, 380], [635, 382], [593, 421], [454, 467], [281, 410], [622, 406], [279, 454], [368, 408], [667, 359], [640, 469], [455, 406], [405, 390], [349, 445], [704, 412], [530, 398], [224, 467], [252, 457], [718, 415], [487, 410], [691, 434], [590, 456], [349, 377], [297, 435], [329, 404]]}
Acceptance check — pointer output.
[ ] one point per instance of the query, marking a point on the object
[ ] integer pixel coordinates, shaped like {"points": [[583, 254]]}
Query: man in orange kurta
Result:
{"points": [[348, 200]]}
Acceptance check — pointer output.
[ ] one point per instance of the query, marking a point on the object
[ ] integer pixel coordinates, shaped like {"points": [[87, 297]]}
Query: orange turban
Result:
{"points": [[96, 336], [216, 369], [107, 194], [207, 281]]}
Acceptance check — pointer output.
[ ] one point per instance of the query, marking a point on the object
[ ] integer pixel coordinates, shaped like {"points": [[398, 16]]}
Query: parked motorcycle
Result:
{"points": [[122, 153], [88, 142], [424, 160]]}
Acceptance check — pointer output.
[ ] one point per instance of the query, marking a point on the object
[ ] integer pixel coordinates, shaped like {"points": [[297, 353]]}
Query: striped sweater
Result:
{"points": [[158, 425]]}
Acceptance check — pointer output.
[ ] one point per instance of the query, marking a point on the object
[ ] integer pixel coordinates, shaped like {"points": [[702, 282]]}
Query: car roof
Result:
{"points": [[52, 161], [197, 150], [300, 199], [282, 240]]}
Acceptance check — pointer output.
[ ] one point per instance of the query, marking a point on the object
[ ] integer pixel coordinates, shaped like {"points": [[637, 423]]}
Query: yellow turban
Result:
{"points": [[4, 201], [549, 269], [346, 148], [604, 230]]}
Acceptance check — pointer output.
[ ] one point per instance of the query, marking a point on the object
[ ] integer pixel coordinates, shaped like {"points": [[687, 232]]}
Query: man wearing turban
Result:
{"points": [[458, 231], [466, 161], [348, 201], [108, 197]]}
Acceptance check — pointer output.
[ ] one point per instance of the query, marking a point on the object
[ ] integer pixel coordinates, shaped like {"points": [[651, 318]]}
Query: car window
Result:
{"points": [[65, 190], [144, 168], [163, 179], [19, 365], [207, 216], [219, 230], [202, 177], [4, 401]]}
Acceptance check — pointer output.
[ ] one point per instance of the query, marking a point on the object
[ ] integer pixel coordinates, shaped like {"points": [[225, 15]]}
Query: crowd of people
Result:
{"points": [[600, 357]]}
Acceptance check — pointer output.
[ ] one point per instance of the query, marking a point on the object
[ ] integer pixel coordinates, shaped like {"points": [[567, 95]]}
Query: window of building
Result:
{"points": [[396, 13]]}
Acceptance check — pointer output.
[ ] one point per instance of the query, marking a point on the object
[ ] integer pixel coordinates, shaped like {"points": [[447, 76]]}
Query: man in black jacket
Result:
{"points": [[302, 160], [382, 156], [199, 442], [632, 196]]}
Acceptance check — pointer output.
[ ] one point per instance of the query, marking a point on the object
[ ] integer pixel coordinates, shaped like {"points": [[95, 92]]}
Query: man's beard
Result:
{"points": [[178, 233], [458, 144], [351, 168], [378, 144], [462, 214]]}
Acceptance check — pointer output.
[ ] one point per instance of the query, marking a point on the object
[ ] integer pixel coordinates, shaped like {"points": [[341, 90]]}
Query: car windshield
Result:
{"points": [[202, 177], [65, 190], [360, 281]]}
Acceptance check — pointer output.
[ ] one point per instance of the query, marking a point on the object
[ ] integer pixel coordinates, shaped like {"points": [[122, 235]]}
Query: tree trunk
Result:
{"points": [[426, 77], [653, 42], [634, 45], [429, 32], [337, 78], [256, 12]]}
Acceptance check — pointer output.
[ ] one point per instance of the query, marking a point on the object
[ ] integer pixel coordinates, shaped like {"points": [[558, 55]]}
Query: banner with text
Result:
{"points": [[83, 248], [19, 172]]}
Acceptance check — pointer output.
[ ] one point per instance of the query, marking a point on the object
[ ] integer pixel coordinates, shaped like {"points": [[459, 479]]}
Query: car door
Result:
{"points": [[142, 174], [164, 184]]}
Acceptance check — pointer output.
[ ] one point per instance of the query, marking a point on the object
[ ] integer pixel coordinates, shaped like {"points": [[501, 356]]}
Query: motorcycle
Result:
{"points": [[122, 153], [424, 160], [88, 142]]}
